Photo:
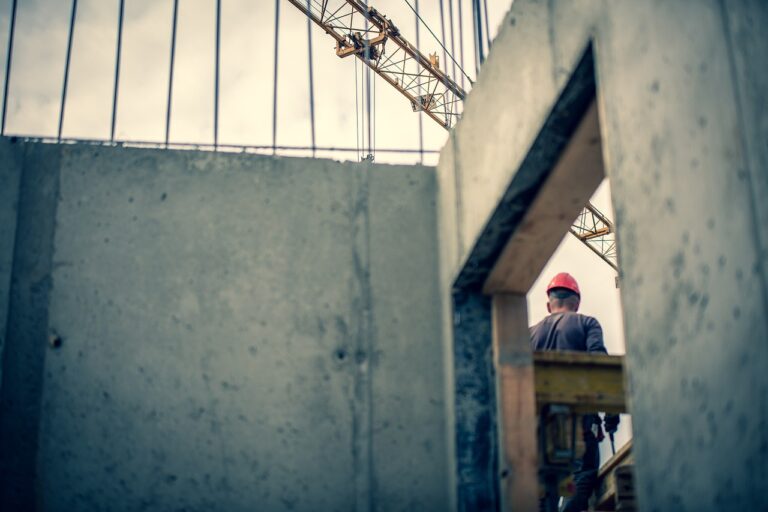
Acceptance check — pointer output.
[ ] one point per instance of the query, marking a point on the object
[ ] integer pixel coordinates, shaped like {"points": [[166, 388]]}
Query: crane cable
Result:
{"points": [[357, 115], [274, 84], [487, 28], [362, 112], [374, 114], [369, 156], [445, 50], [311, 80], [421, 119], [450, 20], [438, 41], [461, 39]]}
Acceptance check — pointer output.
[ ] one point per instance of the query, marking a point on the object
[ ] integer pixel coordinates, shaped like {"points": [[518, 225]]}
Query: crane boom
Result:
{"points": [[364, 32], [595, 231], [419, 78]]}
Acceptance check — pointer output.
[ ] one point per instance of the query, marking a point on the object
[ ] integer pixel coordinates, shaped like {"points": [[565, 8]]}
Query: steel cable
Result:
{"points": [[418, 16], [168, 107], [367, 56], [11, 34], [311, 78], [368, 105], [461, 39], [453, 48], [373, 87], [217, 76], [357, 115], [477, 26], [116, 89], [67, 62], [421, 118], [445, 51], [244, 148], [487, 27], [442, 35], [274, 80]]}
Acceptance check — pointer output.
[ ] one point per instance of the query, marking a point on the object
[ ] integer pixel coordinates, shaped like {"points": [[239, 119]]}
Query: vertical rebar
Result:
{"points": [[445, 53], [11, 31], [67, 62], [274, 86], [461, 40], [363, 153], [421, 117], [311, 78], [453, 47], [374, 115], [368, 101], [170, 72], [357, 114], [216, 85], [487, 27], [478, 26], [367, 56], [117, 69]]}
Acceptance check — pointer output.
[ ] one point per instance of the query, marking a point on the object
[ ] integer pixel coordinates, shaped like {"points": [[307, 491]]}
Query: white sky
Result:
{"points": [[246, 87]]}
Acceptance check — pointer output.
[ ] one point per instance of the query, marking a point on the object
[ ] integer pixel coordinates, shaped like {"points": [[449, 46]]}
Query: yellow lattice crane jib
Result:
{"points": [[364, 32]]}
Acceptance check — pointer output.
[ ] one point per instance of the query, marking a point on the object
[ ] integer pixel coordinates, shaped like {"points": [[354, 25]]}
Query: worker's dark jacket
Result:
{"points": [[572, 331], [568, 331]]}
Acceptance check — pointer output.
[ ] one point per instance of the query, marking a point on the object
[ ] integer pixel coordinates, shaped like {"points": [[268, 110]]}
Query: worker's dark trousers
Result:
{"points": [[585, 475]]}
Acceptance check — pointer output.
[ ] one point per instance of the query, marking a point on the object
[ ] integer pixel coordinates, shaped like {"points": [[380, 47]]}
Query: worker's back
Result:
{"points": [[568, 331]]}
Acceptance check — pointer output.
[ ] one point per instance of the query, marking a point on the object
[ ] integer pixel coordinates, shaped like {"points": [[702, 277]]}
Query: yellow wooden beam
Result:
{"points": [[519, 464], [586, 382]]}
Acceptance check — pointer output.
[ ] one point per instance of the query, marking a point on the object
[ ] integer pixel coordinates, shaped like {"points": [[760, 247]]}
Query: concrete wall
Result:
{"points": [[26, 332], [9, 199], [684, 130], [242, 332], [237, 333]]}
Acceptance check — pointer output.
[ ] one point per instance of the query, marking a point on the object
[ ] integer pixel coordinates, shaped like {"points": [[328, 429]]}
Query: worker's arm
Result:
{"points": [[594, 335], [595, 344]]}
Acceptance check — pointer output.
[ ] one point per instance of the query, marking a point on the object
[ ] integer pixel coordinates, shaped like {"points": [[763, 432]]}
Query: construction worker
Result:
{"points": [[566, 329]]}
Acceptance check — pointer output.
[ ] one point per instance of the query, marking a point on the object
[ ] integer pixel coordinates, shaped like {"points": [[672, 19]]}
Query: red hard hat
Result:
{"points": [[564, 280]]}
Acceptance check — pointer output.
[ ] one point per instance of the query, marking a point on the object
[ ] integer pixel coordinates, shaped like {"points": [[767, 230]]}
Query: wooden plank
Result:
{"points": [[586, 382], [580, 358], [568, 188], [607, 484], [622, 456], [513, 359], [624, 477]]}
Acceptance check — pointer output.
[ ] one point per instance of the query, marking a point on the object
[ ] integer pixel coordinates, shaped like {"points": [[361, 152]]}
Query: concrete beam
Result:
{"points": [[567, 188]]}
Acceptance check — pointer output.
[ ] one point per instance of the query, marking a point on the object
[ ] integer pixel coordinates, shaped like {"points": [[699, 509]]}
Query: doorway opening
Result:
{"points": [[540, 227]]}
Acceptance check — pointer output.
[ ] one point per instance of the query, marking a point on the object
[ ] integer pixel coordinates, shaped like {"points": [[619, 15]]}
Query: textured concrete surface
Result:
{"points": [[684, 139], [9, 200], [27, 325], [242, 333], [409, 461], [694, 297], [475, 419]]}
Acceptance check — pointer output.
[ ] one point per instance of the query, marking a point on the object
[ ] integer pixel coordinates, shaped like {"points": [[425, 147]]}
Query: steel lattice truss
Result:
{"points": [[596, 231], [364, 32]]}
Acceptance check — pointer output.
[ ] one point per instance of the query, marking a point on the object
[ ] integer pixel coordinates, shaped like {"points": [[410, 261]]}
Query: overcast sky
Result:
{"points": [[246, 83]]}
